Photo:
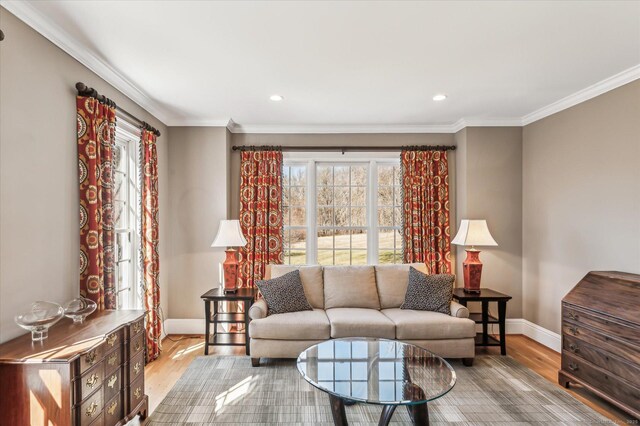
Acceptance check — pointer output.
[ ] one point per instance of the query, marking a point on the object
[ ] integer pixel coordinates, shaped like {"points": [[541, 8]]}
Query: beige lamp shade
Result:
{"points": [[474, 233], [229, 235]]}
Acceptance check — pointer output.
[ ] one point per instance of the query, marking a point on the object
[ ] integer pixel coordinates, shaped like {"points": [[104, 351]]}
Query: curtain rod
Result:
{"points": [[83, 90], [343, 149]]}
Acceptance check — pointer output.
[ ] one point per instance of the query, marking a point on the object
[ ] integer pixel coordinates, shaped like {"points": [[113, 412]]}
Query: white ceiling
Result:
{"points": [[349, 64]]}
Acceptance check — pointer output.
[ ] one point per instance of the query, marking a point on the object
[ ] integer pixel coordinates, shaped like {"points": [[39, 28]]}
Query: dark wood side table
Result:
{"points": [[232, 338], [485, 296]]}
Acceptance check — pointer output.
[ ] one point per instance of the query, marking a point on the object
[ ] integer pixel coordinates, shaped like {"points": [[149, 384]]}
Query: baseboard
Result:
{"points": [[513, 326]]}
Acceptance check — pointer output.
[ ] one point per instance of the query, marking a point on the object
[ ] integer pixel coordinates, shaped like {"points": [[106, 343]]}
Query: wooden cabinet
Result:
{"points": [[83, 374], [601, 338]]}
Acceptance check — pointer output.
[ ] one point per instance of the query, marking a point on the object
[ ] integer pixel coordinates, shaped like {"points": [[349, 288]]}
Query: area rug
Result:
{"points": [[227, 390]]}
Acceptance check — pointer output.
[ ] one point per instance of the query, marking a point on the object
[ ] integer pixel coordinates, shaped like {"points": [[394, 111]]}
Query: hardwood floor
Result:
{"points": [[179, 351]]}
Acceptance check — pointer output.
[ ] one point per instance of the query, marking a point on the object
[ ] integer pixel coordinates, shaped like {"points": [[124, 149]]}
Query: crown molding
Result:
{"points": [[341, 128], [227, 122], [613, 82], [57, 35]]}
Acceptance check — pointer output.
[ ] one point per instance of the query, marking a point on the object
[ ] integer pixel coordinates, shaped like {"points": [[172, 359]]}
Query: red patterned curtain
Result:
{"points": [[425, 208], [149, 231], [96, 140], [260, 213]]}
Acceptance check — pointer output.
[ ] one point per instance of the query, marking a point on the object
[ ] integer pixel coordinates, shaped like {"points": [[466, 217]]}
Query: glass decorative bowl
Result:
{"points": [[38, 317], [79, 308]]}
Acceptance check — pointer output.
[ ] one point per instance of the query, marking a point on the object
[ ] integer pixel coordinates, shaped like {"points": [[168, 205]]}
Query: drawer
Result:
{"points": [[114, 339], [136, 345], [91, 409], [621, 348], [112, 360], [113, 410], [135, 328], [91, 358], [90, 381], [136, 367], [601, 323], [603, 380], [112, 384], [99, 421], [136, 393], [602, 359]]}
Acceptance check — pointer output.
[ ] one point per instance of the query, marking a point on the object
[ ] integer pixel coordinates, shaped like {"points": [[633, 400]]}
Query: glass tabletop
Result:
{"points": [[376, 371]]}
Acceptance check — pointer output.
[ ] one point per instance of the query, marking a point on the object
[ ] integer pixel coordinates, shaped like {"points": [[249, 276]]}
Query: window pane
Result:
{"points": [[397, 211], [385, 175], [298, 216], [358, 257], [286, 216], [342, 257], [385, 196], [325, 239], [341, 175], [285, 175], [325, 196], [386, 238], [359, 175], [359, 239], [297, 196], [342, 239], [397, 199], [298, 176], [386, 256], [359, 216], [385, 216], [298, 239], [120, 214], [325, 257], [342, 216], [298, 257], [324, 175], [119, 186], [397, 175], [358, 196], [325, 216], [285, 196], [341, 195]]}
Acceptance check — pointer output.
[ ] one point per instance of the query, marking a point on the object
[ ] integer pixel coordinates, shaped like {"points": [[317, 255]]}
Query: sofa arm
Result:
{"points": [[459, 311], [258, 310]]}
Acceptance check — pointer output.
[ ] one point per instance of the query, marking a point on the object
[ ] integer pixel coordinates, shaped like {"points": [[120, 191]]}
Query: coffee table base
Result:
{"points": [[419, 413]]}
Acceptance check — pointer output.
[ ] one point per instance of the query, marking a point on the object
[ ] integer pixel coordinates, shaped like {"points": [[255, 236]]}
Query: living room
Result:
{"points": [[376, 212]]}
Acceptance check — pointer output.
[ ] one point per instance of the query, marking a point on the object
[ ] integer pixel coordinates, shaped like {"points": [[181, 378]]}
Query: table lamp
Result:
{"points": [[473, 233], [230, 235]]}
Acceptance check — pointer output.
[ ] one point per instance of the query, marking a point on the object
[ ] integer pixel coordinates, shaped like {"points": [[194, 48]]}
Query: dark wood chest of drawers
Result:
{"points": [[601, 338], [84, 374]]}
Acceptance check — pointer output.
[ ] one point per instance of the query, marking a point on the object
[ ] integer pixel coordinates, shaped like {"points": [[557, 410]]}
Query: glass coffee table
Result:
{"points": [[376, 371]]}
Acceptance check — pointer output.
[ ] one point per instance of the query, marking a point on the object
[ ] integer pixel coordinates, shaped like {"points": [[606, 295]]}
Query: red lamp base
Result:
{"points": [[472, 270], [230, 267]]}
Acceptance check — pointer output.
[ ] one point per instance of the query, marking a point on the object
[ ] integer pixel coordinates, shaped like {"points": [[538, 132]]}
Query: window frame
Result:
{"points": [[372, 160]]}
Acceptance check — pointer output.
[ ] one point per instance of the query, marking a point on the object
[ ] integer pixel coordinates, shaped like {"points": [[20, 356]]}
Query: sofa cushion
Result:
{"points": [[428, 292], [350, 287], [427, 325], [303, 325], [392, 282], [311, 277], [284, 294], [359, 322]]}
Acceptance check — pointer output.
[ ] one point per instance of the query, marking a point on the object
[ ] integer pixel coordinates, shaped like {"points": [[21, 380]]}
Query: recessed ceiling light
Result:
{"points": [[276, 98], [439, 97]]}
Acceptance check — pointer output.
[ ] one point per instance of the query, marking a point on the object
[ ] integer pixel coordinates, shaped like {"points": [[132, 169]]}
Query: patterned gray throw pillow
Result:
{"points": [[284, 294], [429, 292]]}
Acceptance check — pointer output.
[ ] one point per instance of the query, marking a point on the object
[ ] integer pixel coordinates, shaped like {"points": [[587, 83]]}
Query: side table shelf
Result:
{"points": [[215, 317]]}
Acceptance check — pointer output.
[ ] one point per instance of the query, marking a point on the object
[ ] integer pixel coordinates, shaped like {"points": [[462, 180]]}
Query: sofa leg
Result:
{"points": [[255, 362], [467, 362]]}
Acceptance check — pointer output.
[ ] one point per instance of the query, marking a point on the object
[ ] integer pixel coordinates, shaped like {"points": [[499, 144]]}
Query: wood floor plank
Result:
{"points": [[179, 351]]}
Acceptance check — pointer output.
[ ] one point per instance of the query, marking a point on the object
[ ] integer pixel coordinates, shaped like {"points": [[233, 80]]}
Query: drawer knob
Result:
{"points": [[93, 380], [137, 393], [138, 346], [112, 407], [574, 330], [91, 409], [574, 348], [112, 359], [112, 381], [136, 328], [573, 366], [573, 316], [91, 357], [136, 367], [111, 340]]}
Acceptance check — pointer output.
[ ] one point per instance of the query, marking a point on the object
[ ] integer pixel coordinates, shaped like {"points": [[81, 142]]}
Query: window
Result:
{"points": [[126, 201], [342, 212]]}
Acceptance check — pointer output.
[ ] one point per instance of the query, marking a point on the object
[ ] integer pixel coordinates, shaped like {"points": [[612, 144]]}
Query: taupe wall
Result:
{"points": [[39, 244], [490, 187], [198, 178], [581, 201]]}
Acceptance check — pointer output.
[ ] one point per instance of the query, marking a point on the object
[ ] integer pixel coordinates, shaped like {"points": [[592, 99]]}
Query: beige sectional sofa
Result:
{"points": [[357, 301]]}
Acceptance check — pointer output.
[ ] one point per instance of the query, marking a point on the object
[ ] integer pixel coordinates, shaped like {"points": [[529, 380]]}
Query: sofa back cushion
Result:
{"points": [[311, 277], [350, 287], [392, 283]]}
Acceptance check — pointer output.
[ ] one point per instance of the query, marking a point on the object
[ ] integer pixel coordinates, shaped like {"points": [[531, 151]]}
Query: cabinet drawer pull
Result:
{"points": [[112, 359], [136, 328], [573, 316], [91, 410], [573, 366], [111, 340], [138, 346], [112, 380], [93, 380], [112, 408], [574, 348], [574, 331], [136, 367], [137, 393], [91, 357]]}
